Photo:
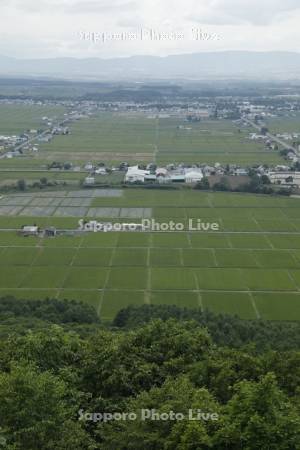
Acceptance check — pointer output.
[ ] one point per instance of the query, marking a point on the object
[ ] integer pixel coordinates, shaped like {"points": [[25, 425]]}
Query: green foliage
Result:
{"points": [[203, 184], [34, 413], [177, 395], [44, 181], [20, 315], [225, 330], [141, 358], [260, 416], [265, 179], [53, 350], [169, 365], [21, 185], [52, 310], [222, 185]]}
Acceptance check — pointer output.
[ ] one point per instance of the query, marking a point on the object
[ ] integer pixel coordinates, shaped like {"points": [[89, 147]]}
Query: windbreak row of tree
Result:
{"points": [[256, 185], [224, 329], [19, 315], [54, 379]]}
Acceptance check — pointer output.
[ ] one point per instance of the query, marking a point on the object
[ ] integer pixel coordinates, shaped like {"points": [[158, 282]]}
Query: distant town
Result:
{"points": [[242, 113]]}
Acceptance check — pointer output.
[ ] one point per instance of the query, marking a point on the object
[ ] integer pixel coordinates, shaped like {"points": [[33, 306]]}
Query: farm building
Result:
{"points": [[30, 230], [178, 178], [89, 166], [50, 232], [240, 172], [161, 172], [193, 176], [162, 175], [101, 171], [285, 178], [150, 178], [89, 181], [134, 174]]}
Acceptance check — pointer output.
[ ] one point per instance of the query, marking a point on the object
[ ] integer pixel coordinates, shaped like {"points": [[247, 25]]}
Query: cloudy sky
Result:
{"points": [[78, 28]]}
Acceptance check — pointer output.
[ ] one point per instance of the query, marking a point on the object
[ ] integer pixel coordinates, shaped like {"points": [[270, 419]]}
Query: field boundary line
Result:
{"points": [[199, 296], [294, 257], [274, 249], [30, 266], [293, 280], [189, 239], [147, 292], [181, 257], [292, 223], [258, 316], [100, 303], [186, 230], [230, 245], [69, 266], [256, 222], [211, 205], [227, 291], [110, 264], [215, 257], [259, 266], [270, 242]]}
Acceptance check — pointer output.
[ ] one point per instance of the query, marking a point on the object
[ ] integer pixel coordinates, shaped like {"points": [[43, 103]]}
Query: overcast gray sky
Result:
{"points": [[51, 28]]}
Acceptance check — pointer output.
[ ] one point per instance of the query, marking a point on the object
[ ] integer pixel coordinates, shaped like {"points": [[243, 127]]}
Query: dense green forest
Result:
{"points": [[69, 381]]}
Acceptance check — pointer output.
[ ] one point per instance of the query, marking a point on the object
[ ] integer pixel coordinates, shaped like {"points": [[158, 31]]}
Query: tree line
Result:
{"points": [[56, 375]]}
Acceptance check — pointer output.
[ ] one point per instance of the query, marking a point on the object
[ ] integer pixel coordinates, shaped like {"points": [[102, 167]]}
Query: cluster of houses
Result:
{"points": [[288, 136], [280, 174], [97, 170], [288, 107], [9, 145], [17, 145], [181, 173], [285, 178], [12, 141], [161, 175], [172, 173], [54, 131], [35, 230], [259, 137]]}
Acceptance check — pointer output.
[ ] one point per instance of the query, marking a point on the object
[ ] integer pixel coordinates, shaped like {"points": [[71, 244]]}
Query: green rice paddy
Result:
{"points": [[138, 138], [251, 267], [17, 118]]}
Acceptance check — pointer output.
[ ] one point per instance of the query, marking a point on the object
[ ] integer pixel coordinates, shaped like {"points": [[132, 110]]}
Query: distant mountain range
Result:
{"points": [[229, 64]]}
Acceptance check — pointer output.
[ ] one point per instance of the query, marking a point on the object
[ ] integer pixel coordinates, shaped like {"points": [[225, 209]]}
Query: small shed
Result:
{"points": [[50, 232], [193, 177], [89, 181], [30, 230]]}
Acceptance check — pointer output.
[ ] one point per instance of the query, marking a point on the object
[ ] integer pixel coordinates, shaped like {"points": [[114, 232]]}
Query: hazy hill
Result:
{"points": [[233, 64]]}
